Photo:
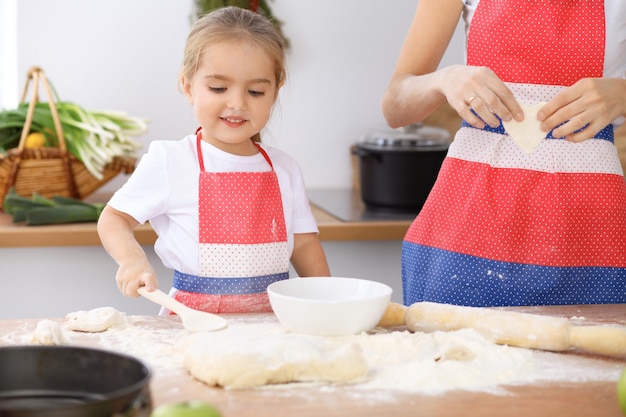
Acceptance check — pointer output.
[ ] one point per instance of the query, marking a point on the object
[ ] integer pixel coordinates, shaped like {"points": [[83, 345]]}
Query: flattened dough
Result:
{"points": [[96, 320], [232, 358], [526, 134]]}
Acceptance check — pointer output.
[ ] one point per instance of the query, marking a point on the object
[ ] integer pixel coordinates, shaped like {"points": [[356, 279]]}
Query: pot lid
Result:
{"points": [[408, 137]]}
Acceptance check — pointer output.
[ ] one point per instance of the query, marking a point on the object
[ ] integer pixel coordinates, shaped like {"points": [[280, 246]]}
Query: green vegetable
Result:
{"points": [[39, 210], [94, 137]]}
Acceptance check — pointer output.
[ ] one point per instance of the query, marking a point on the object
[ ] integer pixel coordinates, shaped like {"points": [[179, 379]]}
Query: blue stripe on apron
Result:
{"points": [[439, 275], [224, 286], [605, 134]]}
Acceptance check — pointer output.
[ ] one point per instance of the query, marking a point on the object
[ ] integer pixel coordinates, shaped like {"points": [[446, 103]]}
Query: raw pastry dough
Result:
{"points": [[48, 333], [526, 134], [96, 320], [236, 359]]}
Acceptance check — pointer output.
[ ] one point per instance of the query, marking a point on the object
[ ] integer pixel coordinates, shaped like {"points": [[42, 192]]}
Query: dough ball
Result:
{"points": [[48, 333], [233, 358], [96, 320]]}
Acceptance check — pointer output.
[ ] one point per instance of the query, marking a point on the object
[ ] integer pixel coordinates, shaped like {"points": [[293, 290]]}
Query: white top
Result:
{"points": [[164, 190]]}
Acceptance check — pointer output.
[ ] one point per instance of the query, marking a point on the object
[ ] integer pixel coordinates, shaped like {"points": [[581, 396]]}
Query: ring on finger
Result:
{"points": [[469, 100]]}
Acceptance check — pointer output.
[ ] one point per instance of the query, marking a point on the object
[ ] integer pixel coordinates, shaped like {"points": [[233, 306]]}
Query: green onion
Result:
{"points": [[94, 137]]}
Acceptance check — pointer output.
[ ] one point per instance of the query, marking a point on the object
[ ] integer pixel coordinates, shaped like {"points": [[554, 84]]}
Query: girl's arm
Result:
{"points": [[417, 87], [308, 258], [116, 231]]}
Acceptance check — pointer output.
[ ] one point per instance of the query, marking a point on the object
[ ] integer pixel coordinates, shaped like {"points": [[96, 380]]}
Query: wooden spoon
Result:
{"points": [[194, 320]]}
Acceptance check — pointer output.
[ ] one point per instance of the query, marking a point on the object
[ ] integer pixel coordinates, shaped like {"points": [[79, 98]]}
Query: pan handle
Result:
{"points": [[141, 406]]}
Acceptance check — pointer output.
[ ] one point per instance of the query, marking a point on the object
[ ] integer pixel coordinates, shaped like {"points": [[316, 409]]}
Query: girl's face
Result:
{"points": [[232, 93]]}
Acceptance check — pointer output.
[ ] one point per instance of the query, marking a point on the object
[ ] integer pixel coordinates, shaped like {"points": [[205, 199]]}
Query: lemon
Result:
{"points": [[35, 140], [621, 391]]}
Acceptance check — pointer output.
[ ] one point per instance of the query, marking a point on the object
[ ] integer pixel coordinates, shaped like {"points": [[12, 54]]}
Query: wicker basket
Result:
{"points": [[50, 171]]}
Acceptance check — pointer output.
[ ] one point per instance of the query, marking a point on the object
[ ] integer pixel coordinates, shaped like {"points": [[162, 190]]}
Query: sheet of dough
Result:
{"points": [[526, 134], [233, 358]]}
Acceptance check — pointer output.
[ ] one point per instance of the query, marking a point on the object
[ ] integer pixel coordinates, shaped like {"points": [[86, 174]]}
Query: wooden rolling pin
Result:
{"points": [[508, 327]]}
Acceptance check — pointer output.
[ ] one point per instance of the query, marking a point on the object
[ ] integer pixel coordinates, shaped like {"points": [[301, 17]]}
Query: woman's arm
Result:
{"points": [[308, 258], [417, 87], [116, 231]]}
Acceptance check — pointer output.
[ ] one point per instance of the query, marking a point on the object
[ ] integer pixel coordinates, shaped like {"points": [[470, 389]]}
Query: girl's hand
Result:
{"points": [[584, 108], [479, 89], [133, 275]]}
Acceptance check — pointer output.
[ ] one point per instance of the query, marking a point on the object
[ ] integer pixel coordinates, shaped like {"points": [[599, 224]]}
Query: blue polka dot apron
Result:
{"points": [[501, 227], [243, 241]]}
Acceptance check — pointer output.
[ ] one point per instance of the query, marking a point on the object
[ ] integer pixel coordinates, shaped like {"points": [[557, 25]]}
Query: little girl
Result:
{"points": [[230, 213]]}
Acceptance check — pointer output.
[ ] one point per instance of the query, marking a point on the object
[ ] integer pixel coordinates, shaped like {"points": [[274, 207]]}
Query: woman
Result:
{"points": [[502, 226]]}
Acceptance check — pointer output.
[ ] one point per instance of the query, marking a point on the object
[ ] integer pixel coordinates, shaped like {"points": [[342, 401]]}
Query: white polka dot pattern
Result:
{"points": [[552, 155], [242, 207], [221, 260], [539, 41]]}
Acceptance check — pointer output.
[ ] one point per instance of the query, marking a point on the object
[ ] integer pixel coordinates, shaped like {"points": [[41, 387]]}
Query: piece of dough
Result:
{"points": [[96, 320], [394, 316], [48, 333], [233, 358], [526, 134]]}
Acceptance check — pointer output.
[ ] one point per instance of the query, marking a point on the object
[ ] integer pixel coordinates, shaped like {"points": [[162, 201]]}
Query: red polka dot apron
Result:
{"points": [[243, 241], [501, 227]]}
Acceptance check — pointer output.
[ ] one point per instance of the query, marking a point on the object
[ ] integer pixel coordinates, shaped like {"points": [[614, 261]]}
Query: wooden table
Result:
{"points": [[548, 399]]}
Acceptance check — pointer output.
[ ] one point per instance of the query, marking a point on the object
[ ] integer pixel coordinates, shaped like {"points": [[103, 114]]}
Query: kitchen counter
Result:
{"points": [[331, 228], [572, 399]]}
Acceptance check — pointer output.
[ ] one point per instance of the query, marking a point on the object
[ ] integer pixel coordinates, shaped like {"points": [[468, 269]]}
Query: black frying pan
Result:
{"points": [[63, 381]]}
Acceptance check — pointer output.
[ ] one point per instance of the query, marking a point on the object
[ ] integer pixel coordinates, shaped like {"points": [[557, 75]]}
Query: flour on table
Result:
{"points": [[240, 358], [96, 320], [48, 333]]}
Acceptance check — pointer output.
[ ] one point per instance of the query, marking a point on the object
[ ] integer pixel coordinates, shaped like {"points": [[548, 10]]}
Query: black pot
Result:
{"points": [[62, 381], [398, 167]]}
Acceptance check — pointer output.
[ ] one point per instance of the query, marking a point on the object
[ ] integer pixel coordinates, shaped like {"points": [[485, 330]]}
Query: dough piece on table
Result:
{"points": [[48, 333], [233, 358], [96, 320], [526, 134]]}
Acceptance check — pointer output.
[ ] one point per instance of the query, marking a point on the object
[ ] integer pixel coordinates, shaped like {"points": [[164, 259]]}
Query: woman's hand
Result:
{"points": [[478, 95], [583, 109]]}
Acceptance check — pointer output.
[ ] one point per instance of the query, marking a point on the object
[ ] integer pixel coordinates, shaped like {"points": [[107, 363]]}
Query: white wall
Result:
{"points": [[8, 54], [125, 55]]}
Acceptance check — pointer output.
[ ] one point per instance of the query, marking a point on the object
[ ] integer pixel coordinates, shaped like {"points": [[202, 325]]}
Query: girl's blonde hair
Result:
{"points": [[230, 24]]}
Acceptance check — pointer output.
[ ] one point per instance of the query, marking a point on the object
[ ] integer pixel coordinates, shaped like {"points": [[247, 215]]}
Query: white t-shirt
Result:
{"points": [[164, 190]]}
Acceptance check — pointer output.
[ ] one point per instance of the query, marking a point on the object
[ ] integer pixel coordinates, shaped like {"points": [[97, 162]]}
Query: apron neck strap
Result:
{"points": [[201, 159]]}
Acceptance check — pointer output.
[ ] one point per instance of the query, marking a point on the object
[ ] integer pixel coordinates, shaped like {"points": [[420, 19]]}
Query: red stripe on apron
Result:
{"points": [[562, 40], [471, 212]]}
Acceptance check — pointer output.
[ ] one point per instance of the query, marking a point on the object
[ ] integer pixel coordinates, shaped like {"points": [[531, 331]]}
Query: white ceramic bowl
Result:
{"points": [[329, 306]]}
